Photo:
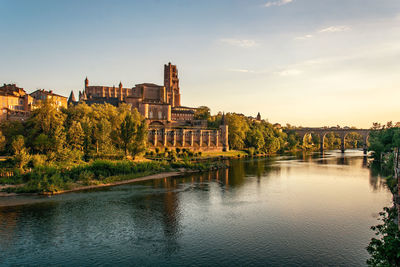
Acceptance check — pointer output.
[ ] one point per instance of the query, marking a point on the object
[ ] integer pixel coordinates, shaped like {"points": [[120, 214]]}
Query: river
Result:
{"points": [[306, 210]]}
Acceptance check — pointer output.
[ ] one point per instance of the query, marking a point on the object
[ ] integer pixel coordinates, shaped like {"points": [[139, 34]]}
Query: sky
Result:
{"points": [[303, 62]]}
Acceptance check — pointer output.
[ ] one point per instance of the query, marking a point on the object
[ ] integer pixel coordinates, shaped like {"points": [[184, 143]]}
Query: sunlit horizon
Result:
{"points": [[305, 63]]}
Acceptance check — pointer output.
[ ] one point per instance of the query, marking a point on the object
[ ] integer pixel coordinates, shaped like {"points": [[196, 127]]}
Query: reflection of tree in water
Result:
{"points": [[376, 174], [342, 161], [8, 224], [152, 210]]}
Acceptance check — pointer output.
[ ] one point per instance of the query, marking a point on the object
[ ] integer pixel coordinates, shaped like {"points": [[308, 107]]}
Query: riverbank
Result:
{"points": [[50, 180]]}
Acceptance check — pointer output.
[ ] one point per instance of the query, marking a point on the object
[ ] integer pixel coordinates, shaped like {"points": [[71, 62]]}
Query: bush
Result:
{"points": [[37, 160]]}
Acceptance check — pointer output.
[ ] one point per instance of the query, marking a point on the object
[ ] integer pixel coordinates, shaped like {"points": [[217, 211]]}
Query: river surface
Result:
{"points": [[308, 210]]}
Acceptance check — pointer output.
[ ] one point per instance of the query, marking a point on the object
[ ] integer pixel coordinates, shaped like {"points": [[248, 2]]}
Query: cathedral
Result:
{"points": [[170, 123]]}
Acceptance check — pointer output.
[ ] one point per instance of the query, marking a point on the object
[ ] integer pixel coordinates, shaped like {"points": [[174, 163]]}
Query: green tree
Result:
{"points": [[21, 156], [3, 141], [76, 136], [127, 131], [202, 113], [255, 139], [384, 250], [48, 120]]}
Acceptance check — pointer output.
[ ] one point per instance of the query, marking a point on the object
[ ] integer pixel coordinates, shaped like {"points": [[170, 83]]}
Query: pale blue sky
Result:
{"points": [[304, 62]]}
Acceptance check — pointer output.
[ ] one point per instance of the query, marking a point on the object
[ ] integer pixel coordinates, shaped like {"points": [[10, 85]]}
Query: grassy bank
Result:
{"points": [[53, 179]]}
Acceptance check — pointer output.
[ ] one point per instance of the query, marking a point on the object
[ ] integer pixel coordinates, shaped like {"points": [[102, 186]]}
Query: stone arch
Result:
{"points": [[156, 124]]}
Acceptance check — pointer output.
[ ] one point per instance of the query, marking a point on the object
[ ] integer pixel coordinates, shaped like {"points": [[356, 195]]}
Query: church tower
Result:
{"points": [[171, 83]]}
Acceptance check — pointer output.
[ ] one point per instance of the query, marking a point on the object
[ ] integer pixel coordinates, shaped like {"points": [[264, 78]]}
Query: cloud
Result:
{"points": [[242, 70], [335, 29], [239, 42], [278, 3], [308, 36], [289, 72]]}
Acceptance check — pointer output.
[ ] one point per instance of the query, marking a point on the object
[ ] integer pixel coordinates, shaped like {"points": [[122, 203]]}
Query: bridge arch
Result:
{"points": [[342, 132]]}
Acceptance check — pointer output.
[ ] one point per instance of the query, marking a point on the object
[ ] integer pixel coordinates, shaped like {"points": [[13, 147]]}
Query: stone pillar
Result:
{"points": [[191, 138], [216, 138], [165, 132], [208, 138], [224, 138], [183, 138], [343, 140], [201, 138], [321, 138], [174, 138], [155, 137]]}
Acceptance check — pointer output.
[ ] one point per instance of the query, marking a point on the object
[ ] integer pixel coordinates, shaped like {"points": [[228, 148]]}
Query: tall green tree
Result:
{"points": [[127, 131], [76, 136], [21, 155]]}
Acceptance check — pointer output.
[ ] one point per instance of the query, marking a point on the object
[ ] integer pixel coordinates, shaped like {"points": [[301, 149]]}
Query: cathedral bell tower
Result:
{"points": [[171, 83]]}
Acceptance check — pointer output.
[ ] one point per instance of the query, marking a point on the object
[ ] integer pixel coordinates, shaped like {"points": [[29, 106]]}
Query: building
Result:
{"points": [[170, 124], [43, 95], [15, 103]]}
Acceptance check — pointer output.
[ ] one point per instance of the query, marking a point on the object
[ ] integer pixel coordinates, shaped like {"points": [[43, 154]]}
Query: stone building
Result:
{"points": [[15, 103], [43, 95], [170, 124]]}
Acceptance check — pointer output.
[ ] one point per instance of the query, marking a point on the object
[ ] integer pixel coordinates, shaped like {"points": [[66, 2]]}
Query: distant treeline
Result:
{"points": [[261, 136]]}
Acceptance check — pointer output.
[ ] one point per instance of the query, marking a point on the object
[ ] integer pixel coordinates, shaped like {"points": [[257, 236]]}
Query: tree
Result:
{"points": [[3, 141], [255, 139], [202, 113], [238, 127], [101, 133], [385, 250], [140, 141], [127, 131], [76, 136], [48, 120], [21, 156]]}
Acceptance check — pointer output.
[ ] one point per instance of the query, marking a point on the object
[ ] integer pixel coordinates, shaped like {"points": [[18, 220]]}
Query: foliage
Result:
{"points": [[202, 113], [384, 249], [21, 156], [383, 141]]}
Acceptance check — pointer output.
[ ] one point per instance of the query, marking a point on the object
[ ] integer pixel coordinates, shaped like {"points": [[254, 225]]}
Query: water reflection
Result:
{"points": [[309, 209]]}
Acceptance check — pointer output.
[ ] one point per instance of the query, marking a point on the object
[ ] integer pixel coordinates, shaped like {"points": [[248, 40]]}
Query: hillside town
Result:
{"points": [[170, 124]]}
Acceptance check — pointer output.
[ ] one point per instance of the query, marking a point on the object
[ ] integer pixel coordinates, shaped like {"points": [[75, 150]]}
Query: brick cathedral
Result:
{"points": [[170, 123]]}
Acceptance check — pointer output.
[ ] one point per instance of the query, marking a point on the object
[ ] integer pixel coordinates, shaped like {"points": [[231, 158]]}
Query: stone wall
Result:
{"points": [[193, 139]]}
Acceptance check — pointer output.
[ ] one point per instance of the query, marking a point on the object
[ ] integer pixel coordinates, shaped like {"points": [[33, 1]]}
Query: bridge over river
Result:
{"points": [[342, 132]]}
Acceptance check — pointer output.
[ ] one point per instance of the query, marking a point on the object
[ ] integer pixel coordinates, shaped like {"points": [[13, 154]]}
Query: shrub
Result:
{"points": [[38, 160]]}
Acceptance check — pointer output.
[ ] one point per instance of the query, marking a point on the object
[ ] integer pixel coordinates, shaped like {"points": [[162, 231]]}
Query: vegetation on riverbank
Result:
{"points": [[384, 248], [55, 178]]}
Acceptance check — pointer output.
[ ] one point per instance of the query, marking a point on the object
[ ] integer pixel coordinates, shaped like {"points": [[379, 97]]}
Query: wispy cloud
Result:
{"points": [[335, 29], [288, 72], [242, 70], [239, 42], [305, 37], [331, 29], [278, 3]]}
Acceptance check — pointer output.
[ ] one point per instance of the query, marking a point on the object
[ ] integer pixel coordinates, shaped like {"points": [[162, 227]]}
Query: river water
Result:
{"points": [[306, 210]]}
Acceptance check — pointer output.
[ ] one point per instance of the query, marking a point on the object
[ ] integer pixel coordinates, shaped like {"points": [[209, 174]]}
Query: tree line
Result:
{"points": [[78, 133], [256, 136]]}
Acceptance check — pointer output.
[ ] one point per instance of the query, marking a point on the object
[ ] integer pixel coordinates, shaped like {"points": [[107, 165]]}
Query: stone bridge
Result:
{"points": [[342, 132]]}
